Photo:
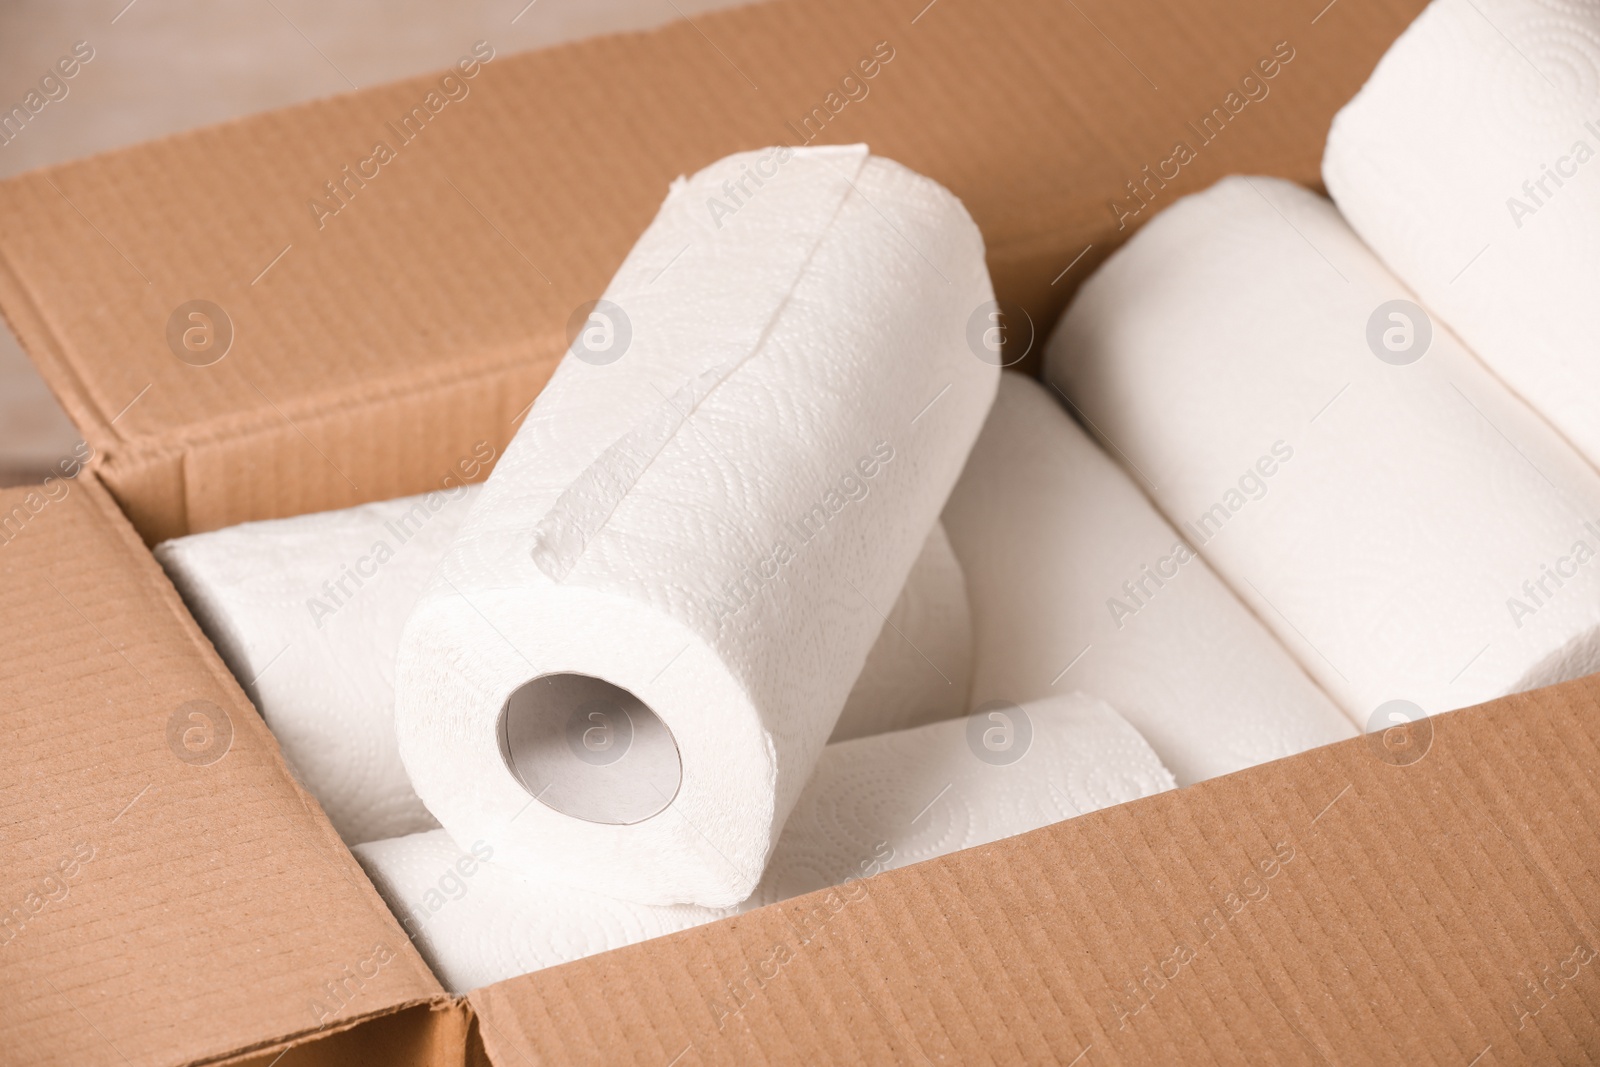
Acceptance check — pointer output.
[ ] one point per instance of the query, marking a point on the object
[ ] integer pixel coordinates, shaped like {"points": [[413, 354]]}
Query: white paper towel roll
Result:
{"points": [[307, 613], [874, 804], [1469, 164], [691, 595], [1412, 531], [1077, 582], [920, 667]]}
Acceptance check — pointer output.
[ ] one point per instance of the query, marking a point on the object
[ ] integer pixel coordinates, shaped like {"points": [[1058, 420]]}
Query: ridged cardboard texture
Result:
{"points": [[368, 315], [1342, 906], [171, 894]]}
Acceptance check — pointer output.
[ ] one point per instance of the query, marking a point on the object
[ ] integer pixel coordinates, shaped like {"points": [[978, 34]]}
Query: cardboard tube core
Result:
{"points": [[589, 749]]}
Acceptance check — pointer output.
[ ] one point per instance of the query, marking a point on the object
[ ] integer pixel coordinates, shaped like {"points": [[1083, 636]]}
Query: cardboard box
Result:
{"points": [[173, 897]]}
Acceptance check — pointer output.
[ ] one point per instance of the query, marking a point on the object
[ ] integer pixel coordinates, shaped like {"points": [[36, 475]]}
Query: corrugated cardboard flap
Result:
{"points": [[172, 895], [383, 316], [1331, 908]]}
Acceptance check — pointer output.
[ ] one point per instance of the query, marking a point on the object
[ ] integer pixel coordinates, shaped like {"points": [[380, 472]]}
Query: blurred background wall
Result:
{"points": [[161, 66]]}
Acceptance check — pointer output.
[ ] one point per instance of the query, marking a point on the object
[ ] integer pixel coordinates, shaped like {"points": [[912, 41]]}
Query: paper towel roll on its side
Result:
{"points": [[1411, 530], [886, 801], [649, 626], [1470, 162], [307, 613], [1077, 582], [874, 804], [920, 668], [477, 923]]}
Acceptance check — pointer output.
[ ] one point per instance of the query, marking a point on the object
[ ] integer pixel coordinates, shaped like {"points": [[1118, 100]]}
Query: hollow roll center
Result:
{"points": [[589, 749]]}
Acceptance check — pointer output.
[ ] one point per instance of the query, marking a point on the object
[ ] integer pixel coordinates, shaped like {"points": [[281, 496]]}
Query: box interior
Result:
{"points": [[1409, 910], [370, 348]]}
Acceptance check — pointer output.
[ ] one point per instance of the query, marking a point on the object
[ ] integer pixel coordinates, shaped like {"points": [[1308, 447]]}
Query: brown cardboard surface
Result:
{"points": [[169, 896], [424, 1035], [1418, 905], [1331, 908], [373, 347]]}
